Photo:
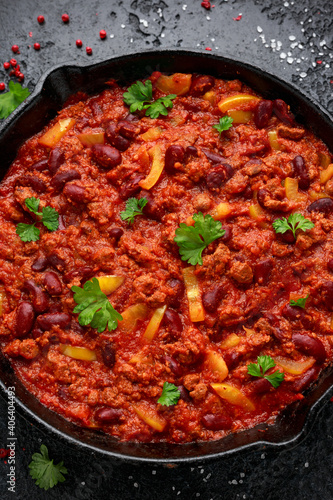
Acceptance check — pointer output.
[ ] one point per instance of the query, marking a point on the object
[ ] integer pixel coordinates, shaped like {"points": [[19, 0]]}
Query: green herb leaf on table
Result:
{"points": [[192, 240], [44, 471], [224, 124], [139, 96], [170, 395], [133, 208], [48, 216], [259, 369], [299, 302], [94, 307], [294, 222], [10, 100]]}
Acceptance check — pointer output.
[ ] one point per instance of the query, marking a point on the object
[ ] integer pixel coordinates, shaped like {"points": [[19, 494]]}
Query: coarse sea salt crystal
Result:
{"points": [[259, 29], [290, 60], [323, 42], [303, 74], [283, 55], [292, 38]]}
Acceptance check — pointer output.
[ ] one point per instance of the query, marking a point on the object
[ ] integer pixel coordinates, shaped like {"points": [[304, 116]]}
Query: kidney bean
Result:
{"points": [[293, 313], [108, 355], [324, 205], [152, 209], [60, 178], [52, 283], [191, 151], [62, 224], [262, 271], [261, 196], [301, 172], [40, 302], [247, 193], [37, 184], [40, 165], [174, 154], [84, 272], [214, 157], [211, 298], [280, 108], [75, 193], [108, 415], [217, 175], [263, 113], [56, 307], [287, 237], [327, 291], [116, 233], [55, 261], [119, 142], [46, 321], [127, 129], [216, 422], [172, 320], [131, 187], [56, 159], [260, 386], [178, 288], [305, 380], [24, 319], [309, 345], [227, 235], [330, 265], [232, 359], [106, 156], [184, 394], [173, 365], [272, 318], [131, 118], [202, 84], [95, 107], [37, 332], [40, 264]]}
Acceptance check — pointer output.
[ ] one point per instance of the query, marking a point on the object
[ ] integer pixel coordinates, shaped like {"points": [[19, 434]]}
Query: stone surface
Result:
{"points": [[290, 39]]}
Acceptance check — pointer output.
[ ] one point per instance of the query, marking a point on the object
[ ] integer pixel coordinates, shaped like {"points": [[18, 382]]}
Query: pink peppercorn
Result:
{"points": [[6, 65], [15, 49], [21, 76], [102, 34], [2, 86], [37, 46], [40, 19], [79, 43], [65, 18], [89, 51], [13, 62]]}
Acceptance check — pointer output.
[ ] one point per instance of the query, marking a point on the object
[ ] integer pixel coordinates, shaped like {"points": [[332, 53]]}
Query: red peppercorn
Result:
{"points": [[89, 51], [17, 72], [21, 76], [13, 62], [15, 49], [2, 86], [79, 43], [65, 18], [37, 46], [40, 19], [102, 34], [6, 65]]}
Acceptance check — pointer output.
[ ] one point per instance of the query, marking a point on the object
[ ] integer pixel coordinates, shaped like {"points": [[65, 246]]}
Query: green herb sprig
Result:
{"points": [[170, 395], [48, 216], [44, 471], [192, 240], [139, 96], [299, 302], [259, 369], [133, 208], [10, 100], [224, 124], [293, 223]]}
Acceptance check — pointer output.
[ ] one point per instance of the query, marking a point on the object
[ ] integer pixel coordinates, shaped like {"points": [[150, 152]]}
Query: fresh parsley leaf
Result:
{"points": [[27, 232], [299, 302], [295, 221], [49, 217], [139, 96], [134, 207], [224, 124], [192, 240], [170, 395], [94, 307], [259, 369], [10, 100], [46, 473]]}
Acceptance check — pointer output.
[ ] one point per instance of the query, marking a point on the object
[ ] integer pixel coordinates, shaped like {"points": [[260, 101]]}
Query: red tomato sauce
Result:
{"points": [[86, 164]]}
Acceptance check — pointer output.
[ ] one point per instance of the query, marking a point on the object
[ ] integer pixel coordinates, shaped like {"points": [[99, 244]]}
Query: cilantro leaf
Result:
{"points": [[224, 124], [192, 240], [33, 204], [50, 218], [134, 207], [170, 395], [94, 307], [295, 221], [46, 473], [259, 369], [10, 100], [299, 302], [139, 96], [27, 232]]}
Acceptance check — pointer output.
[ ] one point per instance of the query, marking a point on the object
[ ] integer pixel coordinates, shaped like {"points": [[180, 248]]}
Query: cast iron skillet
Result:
{"points": [[48, 97]]}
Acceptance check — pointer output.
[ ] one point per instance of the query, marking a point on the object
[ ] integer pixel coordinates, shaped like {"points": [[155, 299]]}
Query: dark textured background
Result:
{"points": [[292, 39]]}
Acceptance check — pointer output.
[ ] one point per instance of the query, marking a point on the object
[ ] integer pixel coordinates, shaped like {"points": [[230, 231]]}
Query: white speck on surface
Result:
{"points": [[83, 483], [286, 4], [289, 54], [298, 61], [184, 7], [197, 495], [178, 492], [131, 40], [208, 18], [234, 481], [241, 481], [153, 472], [283, 55], [290, 60], [130, 477], [160, 12], [314, 64], [242, 474], [212, 39], [123, 26], [144, 22], [162, 35], [292, 38], [300, 46], [266, 45], [322, 43], [259, 29], [262, 455], [136, 485], [321, 54], [327, 65], [303, 74], [314, 35], [306, 464], [112, 35], [202, 471]]}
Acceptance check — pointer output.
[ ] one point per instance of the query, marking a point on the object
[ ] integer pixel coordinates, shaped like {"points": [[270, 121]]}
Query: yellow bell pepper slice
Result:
{"points": [[239, 116], [178, 83], [110, 283], [55, 133], [156, 169], [327, 174], [131, 315], [2, 299], [231, 341], [324, 160], [76, 352], [92, 138], [217, 364], [150, 417], [152, 134], [221, 211], [233, 395], [154, 323], [210, 96], [197, 312], [273, 140], [294, 367], [236, 101]]}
